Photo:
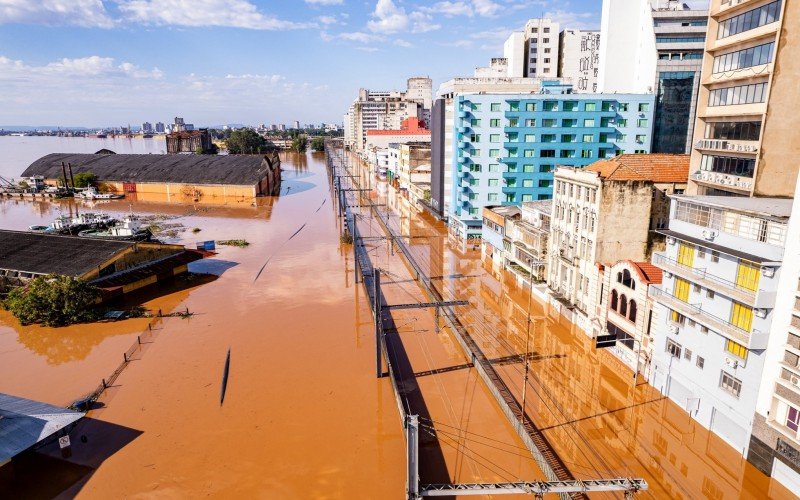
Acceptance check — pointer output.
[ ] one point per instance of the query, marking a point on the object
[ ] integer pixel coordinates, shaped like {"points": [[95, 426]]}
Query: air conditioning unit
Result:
{"points": [[674, 329], [761, 313], [795, 381], [768, 272], [733, 363], [670, 240], [667, 274], [709, 234]]}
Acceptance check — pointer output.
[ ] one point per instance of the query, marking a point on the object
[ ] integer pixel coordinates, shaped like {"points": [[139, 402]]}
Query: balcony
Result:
{"points": [[752, 340], [728, 181], [568, 256], [463, 114], [464, 160], [462, 129], [462, 144], [727, 146], [760, 299]]}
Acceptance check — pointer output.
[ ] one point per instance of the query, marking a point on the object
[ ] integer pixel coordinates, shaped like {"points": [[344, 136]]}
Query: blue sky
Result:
{"points": [[112, 62]]}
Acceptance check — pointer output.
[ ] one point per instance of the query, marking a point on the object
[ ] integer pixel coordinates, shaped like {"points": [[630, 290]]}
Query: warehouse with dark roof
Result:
{"points": [[116, 267], [193, 176]]}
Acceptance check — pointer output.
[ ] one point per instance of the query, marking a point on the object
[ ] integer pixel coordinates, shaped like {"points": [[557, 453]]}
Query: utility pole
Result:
{"points": [[376, 276], [527, 344]]}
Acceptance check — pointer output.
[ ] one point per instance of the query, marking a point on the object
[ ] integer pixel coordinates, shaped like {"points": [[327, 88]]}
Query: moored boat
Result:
{"points": [[130, 229], [91, 193]]}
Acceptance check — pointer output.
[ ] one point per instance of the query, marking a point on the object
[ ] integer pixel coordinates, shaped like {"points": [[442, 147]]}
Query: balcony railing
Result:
{"points": [[755, 298], [726, 180], [751, 340], [725, 145]]}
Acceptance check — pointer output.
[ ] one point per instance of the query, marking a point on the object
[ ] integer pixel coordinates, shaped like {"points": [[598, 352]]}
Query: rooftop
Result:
{"points": [[544, 206], [657, 167], [24, 422], [50, 254], [505, 210], [768, 207], [649, 273], [194, 169]]}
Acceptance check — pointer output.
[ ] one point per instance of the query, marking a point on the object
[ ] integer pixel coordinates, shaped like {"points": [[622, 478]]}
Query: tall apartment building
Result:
{"points": [[534, 51], [443, 117], [515, 238], [680, 36], [775, 442], [716, 303], [579, 58], [505, 147], [602, 214], [160, 128], [387, 110], [747, 131], [655, 46], [147, 128]]}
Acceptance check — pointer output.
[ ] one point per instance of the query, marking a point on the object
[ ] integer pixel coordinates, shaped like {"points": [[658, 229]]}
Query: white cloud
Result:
{"points": [[358, 36], [324, 2], [88, 13], [195, 13], [388, 18], [576, 20], [96, 90], [422, 23], [484, 8], [403, 43], [327, 20]]}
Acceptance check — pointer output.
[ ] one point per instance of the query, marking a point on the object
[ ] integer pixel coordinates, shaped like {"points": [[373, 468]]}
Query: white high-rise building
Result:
{"points": [[628, 55], [533, 53], [579, 58]]}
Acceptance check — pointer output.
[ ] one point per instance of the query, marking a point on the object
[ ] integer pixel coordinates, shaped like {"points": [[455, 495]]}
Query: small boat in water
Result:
{"points": [[130, 229], [66, 224], [92, 193], [38, 229]]}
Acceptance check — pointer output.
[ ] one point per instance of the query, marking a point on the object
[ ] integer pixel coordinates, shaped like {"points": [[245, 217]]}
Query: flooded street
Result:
{"points": [[304, 415]]}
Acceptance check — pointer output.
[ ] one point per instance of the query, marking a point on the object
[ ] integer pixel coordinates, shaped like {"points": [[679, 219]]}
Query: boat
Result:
{"points": [[66, 224], [130, 229], [38, 229], [91, 193]]}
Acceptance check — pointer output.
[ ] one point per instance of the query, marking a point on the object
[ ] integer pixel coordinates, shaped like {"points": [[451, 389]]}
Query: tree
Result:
{"points": [[318, 144], [85, 179], [53, 300], [245, 141], [300, 144]]}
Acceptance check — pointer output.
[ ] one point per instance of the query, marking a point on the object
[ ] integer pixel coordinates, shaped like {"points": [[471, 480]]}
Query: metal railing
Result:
{"points": [[788, 452], [671, 265]]}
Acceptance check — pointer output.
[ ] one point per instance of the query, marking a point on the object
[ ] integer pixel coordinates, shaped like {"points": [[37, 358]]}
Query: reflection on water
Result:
{"points": [[601, 422]]}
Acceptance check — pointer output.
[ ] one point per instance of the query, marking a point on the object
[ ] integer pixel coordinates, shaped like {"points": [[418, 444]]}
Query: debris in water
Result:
{"points": [[225, 378], [234, 243]]}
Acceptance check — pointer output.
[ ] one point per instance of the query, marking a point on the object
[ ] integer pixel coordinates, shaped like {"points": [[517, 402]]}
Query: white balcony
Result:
{"points": [[734, 182]]}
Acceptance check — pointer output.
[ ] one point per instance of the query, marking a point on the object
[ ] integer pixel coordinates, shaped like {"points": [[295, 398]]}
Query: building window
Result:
{"points": [[745, 58], [623, 305], [550, 105], [475, 122], [494, 167], [475, 138], [760, 16], [734, 131], [614, 300], [530, 106], [740, 94], [548, 153], [494, 182], [687, 354], [714, 256], [494, 122], [588, 122], [730, 384], [549, 122], [632, 311], [589, 138], [494, 153], [709, 294], [492, 197], [641, 123], [586, 153], [793, 418], [643, 106], [590, 106], [495, 106], [569, 122], [736, 349], [700, 362], [673, 348]]}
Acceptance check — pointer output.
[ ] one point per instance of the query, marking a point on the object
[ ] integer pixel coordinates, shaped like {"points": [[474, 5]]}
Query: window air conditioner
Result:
{"points": [[768, 272], [731, 362], [795, 380], [674, 329], [670, 240], [761, 313], [709, 234], [667, 274]]}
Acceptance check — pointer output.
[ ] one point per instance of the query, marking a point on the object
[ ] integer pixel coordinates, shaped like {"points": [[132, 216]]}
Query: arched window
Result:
{"points": [[614, 299], [627, 280], [623, 305], [632, 311], [619, 277]]}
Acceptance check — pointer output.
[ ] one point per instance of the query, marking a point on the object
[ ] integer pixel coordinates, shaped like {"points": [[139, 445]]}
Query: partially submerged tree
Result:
{"points": [[245, 141], [318, 144], [300, 144], [53, 300]]}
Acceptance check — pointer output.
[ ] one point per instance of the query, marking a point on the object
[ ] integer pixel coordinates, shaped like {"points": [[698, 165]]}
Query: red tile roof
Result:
{"points": [[649, 273], [656, 167]]}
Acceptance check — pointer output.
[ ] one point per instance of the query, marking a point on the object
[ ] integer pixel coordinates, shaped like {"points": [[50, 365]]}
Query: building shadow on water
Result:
{"points": [[51, 472], [214, 267]]}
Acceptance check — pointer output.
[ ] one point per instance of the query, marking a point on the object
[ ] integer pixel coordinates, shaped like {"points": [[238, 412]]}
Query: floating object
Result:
{"points": [[225, 378], [131, 229], [92, 193]]}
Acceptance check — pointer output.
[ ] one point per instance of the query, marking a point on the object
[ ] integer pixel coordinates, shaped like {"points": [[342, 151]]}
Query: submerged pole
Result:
{"points": [[225, 371], [376, 274]]}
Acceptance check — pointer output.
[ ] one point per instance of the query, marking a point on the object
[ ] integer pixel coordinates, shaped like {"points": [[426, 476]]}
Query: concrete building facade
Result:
{"points": [[505, 147], [716, 303], [748, 62], [579, 58], [602, 214]]}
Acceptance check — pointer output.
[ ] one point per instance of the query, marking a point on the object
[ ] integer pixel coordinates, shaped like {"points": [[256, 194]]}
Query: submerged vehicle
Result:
{"points": [[67, 224], [130, 229]]}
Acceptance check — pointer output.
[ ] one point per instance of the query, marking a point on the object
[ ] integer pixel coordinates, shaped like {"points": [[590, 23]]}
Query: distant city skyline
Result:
{"points": [[99, 63]]}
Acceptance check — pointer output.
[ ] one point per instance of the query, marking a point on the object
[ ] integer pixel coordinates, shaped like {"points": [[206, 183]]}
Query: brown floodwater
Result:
{"points": [[304, 415], [601, 422]]}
